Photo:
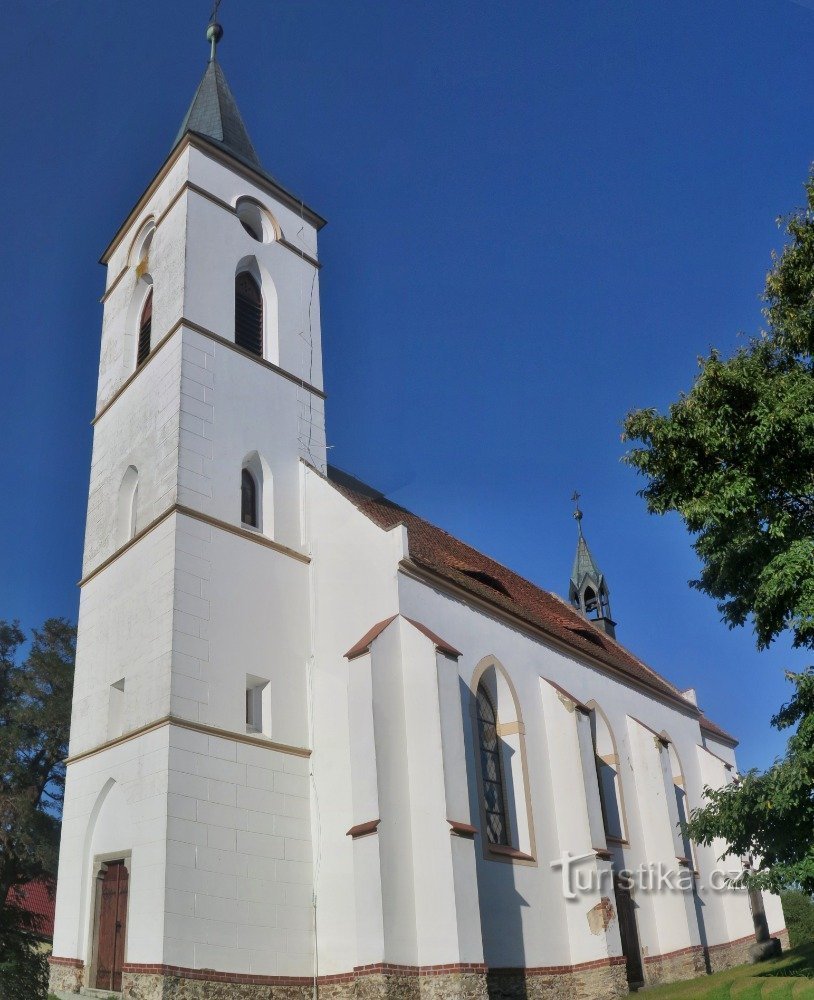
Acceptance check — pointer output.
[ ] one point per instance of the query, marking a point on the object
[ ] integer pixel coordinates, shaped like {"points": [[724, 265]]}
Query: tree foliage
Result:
{"points": [[35, 709], [770, 816], [734, 457]]}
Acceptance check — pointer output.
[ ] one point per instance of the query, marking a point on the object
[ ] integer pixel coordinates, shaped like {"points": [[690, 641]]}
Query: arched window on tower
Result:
{"points": [[493, 788], [248, 314], [126, 518], [249, 512], [145, 330]]}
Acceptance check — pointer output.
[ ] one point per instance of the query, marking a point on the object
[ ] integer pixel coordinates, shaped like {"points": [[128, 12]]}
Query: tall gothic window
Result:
{"points": [[606, 759], [145, 329], [248, 500], [248, 314], [494, 798]]}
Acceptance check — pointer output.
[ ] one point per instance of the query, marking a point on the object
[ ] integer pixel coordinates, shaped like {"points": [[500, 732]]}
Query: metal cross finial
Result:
{"points": [[577, 512], [214, 32]]}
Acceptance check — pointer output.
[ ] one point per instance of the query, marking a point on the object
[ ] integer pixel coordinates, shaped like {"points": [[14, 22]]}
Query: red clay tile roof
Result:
{"points": [[440, 553], [38, 899], [709, 727], [363, 645]]}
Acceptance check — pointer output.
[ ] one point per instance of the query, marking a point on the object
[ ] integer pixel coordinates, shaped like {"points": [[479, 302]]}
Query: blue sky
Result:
{"points": [[540, 214]]}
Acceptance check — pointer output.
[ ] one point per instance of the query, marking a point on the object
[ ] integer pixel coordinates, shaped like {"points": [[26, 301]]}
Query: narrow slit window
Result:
{"points": [[258, 705], [248, 314], [493, 789], [248, 500], [145, 330]]}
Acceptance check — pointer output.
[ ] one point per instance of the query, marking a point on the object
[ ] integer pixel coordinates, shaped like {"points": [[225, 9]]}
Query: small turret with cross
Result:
{"points": [[588, 590]]}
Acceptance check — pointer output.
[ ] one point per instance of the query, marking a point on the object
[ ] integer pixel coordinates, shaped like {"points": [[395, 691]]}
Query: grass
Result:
{"points": [[790, 977]]}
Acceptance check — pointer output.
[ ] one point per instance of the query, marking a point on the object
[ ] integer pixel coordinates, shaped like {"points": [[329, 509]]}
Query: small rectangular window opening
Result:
{"points": [[115, 710], [258, 705]]}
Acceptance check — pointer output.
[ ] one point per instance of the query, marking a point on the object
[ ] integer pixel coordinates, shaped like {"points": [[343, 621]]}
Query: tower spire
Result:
{"points": [[213, 113], [588, 591]]}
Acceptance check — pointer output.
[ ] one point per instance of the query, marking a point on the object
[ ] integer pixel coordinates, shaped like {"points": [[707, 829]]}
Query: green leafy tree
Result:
{"points": [[35, 709], [734, 457]]}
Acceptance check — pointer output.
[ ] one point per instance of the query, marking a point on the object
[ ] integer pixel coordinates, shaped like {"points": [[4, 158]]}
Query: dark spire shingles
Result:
{"points": [[214, 114]]}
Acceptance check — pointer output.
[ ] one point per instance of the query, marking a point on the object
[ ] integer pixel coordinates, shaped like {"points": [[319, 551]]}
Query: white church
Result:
{"points": [[319, 746]]}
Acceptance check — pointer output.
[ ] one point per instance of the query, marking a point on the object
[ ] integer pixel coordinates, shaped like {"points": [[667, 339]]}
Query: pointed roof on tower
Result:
{"points": [[214, 113], [584, 564]]}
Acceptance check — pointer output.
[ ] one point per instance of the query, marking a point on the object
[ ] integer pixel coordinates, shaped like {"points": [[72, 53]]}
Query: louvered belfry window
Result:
{"points": [[144, 330], [248, 314], [494, 800], [248, 499]]}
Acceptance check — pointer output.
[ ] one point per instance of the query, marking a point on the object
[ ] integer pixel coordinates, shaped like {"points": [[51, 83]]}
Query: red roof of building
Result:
{"points": [[442, 555], [37, 898]]}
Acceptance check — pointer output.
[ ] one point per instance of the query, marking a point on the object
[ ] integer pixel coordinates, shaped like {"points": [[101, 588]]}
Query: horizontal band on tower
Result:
{"points": [[197, 515], [217, 339], [197, 727]]}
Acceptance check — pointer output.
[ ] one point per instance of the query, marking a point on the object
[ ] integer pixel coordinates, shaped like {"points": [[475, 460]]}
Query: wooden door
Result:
{"points": [[625, 910], [112, 927]]}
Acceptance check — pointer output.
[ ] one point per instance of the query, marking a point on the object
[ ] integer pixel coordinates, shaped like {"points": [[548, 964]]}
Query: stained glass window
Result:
{"points": [[497, 831]]}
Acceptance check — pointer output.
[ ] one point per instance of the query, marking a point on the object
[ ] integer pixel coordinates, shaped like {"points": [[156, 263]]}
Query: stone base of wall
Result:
{"points": [[602, 980], [66, 975], [592, 981], [688, 963], [730, 953]]}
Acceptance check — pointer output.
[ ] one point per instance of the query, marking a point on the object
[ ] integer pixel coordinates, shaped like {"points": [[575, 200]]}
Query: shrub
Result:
{"points": [[799, 911]]}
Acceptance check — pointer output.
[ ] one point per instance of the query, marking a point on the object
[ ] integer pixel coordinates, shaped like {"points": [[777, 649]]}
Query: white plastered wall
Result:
{"points": [[522, 909], [238, 896], [353, 587], [115, 804]]}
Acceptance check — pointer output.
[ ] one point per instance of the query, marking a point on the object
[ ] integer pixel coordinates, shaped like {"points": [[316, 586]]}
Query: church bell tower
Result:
{"points": [[588, 590], [186, 838]]}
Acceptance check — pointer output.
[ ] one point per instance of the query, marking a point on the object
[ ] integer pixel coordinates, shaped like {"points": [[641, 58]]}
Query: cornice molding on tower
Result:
{"points": [[214, 522], [232, 346], [218, 339], [255, 177], [439, 582], [197, 727]]}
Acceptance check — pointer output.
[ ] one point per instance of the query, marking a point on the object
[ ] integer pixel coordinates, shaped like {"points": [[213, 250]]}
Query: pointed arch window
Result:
{"points": [[249, 513], [493, 788], [248, 314], [145, 329], [606, 760]]}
